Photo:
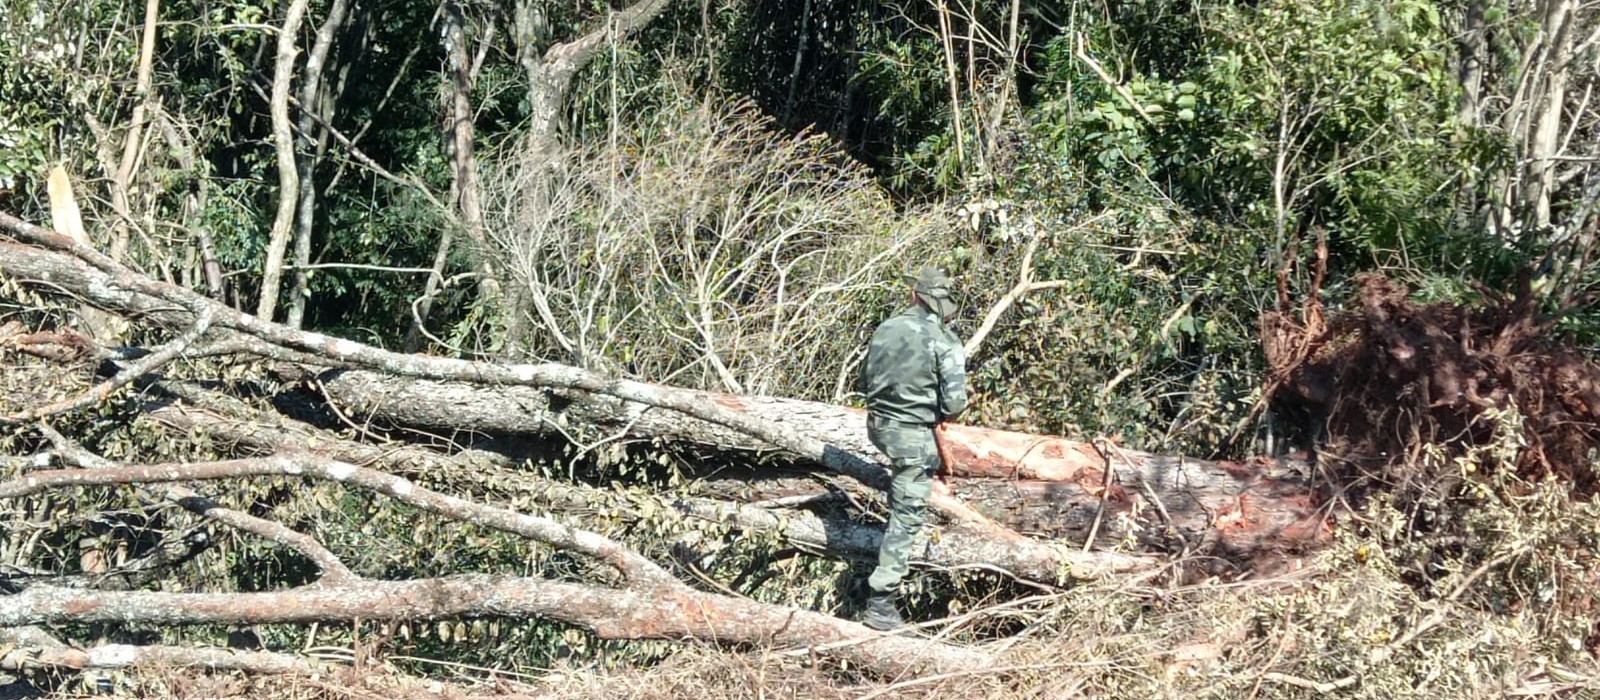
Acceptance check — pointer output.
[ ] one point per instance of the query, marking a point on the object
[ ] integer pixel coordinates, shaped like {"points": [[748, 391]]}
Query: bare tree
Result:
{"points": [[748, 248], [550, 72]]}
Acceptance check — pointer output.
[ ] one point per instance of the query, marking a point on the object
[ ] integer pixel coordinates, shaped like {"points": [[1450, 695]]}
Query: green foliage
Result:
{"points": [[1141, 336]]}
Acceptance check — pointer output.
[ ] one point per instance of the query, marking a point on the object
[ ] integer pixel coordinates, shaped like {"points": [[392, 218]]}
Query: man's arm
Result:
{"points": [[952, 379]]}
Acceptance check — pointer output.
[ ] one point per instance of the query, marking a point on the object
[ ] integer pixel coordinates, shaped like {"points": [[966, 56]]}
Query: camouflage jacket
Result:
{"points": [[915, 370]]}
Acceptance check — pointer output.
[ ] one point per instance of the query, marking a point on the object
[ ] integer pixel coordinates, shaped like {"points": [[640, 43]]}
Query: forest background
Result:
{"points": [[721, 195]]}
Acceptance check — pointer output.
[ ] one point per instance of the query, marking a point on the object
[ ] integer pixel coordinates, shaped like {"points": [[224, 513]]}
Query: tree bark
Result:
{"points": [[1472, 46]]}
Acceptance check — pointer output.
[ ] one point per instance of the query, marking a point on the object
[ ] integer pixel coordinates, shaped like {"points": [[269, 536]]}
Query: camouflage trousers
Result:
{"points": [[913, 459]]}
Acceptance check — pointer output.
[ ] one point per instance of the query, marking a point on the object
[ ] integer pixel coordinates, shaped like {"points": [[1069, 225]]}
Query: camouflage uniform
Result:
{"points": [[914, 377]]}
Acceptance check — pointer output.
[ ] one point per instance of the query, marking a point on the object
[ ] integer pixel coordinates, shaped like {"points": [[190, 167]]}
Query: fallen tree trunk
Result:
{"points": [[653, 613], [1033, 482], [52, 261], [830, 534]]}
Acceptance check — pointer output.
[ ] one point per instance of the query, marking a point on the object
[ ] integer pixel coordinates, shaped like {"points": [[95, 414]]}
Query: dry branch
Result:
{"points": [[111, 656], [676, 613], [29, 647]]}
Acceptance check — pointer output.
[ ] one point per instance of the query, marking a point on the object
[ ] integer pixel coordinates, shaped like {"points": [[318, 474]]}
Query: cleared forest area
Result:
{"points": [[508, 349]]}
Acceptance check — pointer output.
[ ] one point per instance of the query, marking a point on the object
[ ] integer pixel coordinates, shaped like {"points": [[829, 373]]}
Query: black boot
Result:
{"points": [[880, 613]]}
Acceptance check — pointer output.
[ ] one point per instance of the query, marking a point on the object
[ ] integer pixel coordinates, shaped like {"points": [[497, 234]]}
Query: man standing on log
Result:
{"points": [[914, 378]]}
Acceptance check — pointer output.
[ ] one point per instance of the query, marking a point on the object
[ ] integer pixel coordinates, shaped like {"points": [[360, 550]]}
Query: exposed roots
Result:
{"points": [[1383, 381]]}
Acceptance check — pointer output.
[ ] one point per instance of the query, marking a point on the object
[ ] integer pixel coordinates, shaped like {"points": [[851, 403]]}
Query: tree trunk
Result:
{"points": [[464, 162], [550, 77], [1548, 103], [1042, 483], [651, 605], [464, 175], [312, 139], [1473, 53], [122, 176], [833, 534], [288, 174], [666, 612]]}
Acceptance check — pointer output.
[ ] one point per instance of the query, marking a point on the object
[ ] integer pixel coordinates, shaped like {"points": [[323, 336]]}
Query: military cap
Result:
{"points": [[933, 285]]}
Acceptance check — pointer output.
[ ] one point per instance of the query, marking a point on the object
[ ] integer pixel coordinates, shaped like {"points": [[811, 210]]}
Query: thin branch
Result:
{"points": [[166, 554], [358, 266], [1122, 90], [1024, 286], [366, 160], [1308, 684]]}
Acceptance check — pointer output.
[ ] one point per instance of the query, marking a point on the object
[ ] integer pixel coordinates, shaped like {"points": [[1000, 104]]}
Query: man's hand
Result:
{"points": [[939, 439]]}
